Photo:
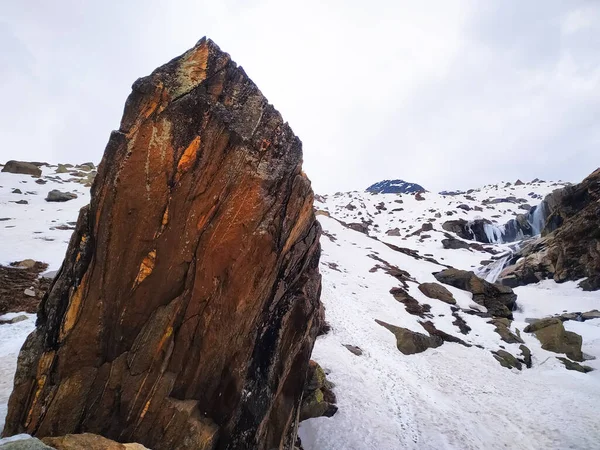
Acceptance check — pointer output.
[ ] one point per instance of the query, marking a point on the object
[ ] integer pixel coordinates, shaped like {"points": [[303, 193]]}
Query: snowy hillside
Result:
{"points": [[455, 395]]}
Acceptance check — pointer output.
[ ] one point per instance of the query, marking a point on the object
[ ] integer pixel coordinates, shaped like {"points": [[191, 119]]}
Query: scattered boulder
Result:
{"points": [[412, 305], [22, 167], [464, 206], [57, 196], [410, 342], [437, 291], [87, 441], [499, 300], [16, 191], [40, 181], [460, 323], [16, 319], [454, 244], [507, 360], [594, 314], [187, 305], [554, 338], [318, 399], [354, 349], [571, 365], [427, 226], [503, 329], [62, 168], [358, 226], [26, 444], [525, 355], [433, 331], [393, 232], [419, 196]]}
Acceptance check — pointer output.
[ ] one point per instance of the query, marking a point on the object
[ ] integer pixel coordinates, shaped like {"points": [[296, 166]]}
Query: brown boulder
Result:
{"points": [[437, 291], [499, 300], [22, 167], [87, 441], [187, 306], [410, 342], [554, 338]]}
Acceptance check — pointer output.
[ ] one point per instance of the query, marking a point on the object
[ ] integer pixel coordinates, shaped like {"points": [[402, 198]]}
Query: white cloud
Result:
{"points": [[446, 94]]}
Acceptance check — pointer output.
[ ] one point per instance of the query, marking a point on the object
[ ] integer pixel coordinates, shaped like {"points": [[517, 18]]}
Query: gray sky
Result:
{"points": [[449, 94]]}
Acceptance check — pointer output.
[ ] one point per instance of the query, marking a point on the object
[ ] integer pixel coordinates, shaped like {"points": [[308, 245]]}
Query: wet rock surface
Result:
{"points": [[570, 245], [188, 303], [499, 300]]}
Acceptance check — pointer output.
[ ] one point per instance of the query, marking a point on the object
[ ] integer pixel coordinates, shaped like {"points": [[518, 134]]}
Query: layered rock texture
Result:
{"points": [[570, 245], [187, 305], [498, 299]]}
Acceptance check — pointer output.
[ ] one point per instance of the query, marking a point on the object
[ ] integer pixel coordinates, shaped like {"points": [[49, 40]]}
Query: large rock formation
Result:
{"points": [[187, 306], [22, 167], [499, 300], [570, 245]]}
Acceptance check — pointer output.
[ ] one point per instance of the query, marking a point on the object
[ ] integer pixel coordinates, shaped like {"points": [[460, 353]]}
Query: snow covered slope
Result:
{"points": [[450, 397], [39, 230], [453, 397]]}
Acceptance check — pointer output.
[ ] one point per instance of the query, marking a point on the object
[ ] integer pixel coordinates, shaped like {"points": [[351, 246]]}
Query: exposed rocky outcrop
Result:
{"points": [[58, 196], [437, 291], [553, 337], [503, 329], [571, 365], [570, 245], [87, 441], [410, 342], [411, 304], [319, 399], [507, 360], [499, 300], [22, 167], [454, 244], [187, 306]]}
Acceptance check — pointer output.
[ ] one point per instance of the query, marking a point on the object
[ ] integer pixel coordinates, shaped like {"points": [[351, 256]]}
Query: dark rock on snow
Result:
{"points": [[499, 300], [552, 335], [437, 291], [58, 196], [22, 167]]}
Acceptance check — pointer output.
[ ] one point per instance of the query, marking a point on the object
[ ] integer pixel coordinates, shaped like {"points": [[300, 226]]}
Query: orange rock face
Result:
{"points": [[187, 306]]}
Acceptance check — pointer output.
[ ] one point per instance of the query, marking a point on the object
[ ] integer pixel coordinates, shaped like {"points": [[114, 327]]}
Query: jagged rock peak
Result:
{"points": [[187, 305], [395, 187]]}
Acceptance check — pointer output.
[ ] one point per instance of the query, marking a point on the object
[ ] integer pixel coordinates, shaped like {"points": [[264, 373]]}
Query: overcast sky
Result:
{"points": [[449, 94]]}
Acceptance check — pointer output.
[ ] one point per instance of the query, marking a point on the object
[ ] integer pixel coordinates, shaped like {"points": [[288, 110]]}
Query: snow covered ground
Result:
{"points": [[29, 230], [450, 397]]}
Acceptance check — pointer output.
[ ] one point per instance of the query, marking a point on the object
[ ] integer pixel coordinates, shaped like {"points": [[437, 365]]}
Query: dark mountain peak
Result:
{"points": [[395, 187]]}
